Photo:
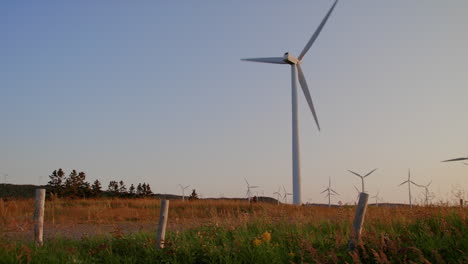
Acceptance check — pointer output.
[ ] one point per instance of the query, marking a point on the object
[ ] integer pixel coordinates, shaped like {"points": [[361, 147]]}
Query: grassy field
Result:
{"points": [[229, 232]]}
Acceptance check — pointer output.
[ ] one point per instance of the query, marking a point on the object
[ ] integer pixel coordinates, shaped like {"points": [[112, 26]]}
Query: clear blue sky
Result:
{"points": [[155, 91]]}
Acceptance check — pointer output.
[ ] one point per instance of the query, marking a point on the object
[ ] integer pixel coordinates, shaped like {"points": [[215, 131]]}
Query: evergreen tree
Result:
{"points": [[193, 196], [148, 191], [113, 188], [131, 190], [122, 188], [96, 188], [139, 191], [56, 183], [76, 186]]}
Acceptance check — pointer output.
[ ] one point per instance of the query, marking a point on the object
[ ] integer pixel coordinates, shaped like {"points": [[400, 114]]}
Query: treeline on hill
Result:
{"points": [[76, 186]]}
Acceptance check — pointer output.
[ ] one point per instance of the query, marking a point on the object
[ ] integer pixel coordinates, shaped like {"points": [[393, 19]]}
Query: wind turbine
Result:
{"points": [[285, 196], [426, 192], [362, 177], [278, 194], [409, 181], [183, 191], [249, 193], [295, 64], [330, 192], [377, 198]]}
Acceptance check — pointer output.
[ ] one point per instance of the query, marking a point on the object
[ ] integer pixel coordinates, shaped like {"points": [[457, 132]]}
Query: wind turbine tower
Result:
{"points": [[409, 181], [183, 191], [362, 177], [296, 71], [330, 192], [426, 192]]}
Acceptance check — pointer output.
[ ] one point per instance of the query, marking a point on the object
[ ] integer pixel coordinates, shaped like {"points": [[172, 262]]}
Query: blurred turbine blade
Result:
{"points": [[274, 60], [334, 192], [403, 182], [370, 172], [457, 159], [306, 91], [317, 32], [324, 190], [355, 173]]}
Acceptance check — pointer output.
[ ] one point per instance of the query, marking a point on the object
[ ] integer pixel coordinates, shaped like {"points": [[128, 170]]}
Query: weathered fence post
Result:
{"points": [[39, 216], [461, 203], [162, 224], [358, 221]]}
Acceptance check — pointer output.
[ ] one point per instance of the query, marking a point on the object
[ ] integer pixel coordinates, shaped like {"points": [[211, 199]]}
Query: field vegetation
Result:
{"points": [[209, 231]]}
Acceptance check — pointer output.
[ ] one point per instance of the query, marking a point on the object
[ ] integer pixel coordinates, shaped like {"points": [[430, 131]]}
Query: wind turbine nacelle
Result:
{"points": [[288, 58]]}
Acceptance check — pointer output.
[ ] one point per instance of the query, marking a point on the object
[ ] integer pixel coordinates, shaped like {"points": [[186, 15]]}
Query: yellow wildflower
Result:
{"points": [[257, 242], [292, 254], [266, 237]]}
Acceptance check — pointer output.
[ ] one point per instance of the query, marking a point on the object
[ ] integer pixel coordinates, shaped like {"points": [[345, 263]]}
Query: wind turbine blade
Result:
{"points": [[370, 172], [246, 181], [251, 187], [457, 159], [325, 190], [429, 184], [274, 60], [334, 191], [465, 163], [317, 32], [403, 183], [355, 173], [305, 89]]}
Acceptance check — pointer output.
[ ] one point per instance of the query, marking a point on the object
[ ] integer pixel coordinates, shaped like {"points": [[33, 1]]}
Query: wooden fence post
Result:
{"points": [[39, 216], [358, 221], [461, 203], [162, 224]]}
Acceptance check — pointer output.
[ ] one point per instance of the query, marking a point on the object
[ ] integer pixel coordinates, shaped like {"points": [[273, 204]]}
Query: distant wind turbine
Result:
{"points": [[183, 190], [285, 195], [362, 177], [465, 163], [296, 70], [427, 194], [249, 187], [278, 195], [330, 192], [409, 181], [377, 198]]}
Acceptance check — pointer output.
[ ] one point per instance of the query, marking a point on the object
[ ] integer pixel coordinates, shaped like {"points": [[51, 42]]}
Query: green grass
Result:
{"points": [[435, 239]]}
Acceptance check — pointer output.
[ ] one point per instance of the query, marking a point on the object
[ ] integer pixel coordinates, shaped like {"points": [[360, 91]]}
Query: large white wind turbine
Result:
{"points": [[296, 66], [409, 181], [362, 177], [330, 192]]}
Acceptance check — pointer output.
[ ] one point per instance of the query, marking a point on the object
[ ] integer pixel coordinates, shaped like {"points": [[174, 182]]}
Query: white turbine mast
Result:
{"points": [[329, 192], [183, 191], [296, 71], [362, 178], [285, 195], [409, 181], [249, 187]]}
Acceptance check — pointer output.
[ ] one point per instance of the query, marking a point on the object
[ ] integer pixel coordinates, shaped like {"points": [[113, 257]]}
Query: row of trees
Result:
{"points": [[76, 186]]}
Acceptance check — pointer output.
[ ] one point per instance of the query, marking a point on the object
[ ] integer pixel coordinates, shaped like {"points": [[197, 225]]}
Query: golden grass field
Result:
{"points": [[76, 218]]}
